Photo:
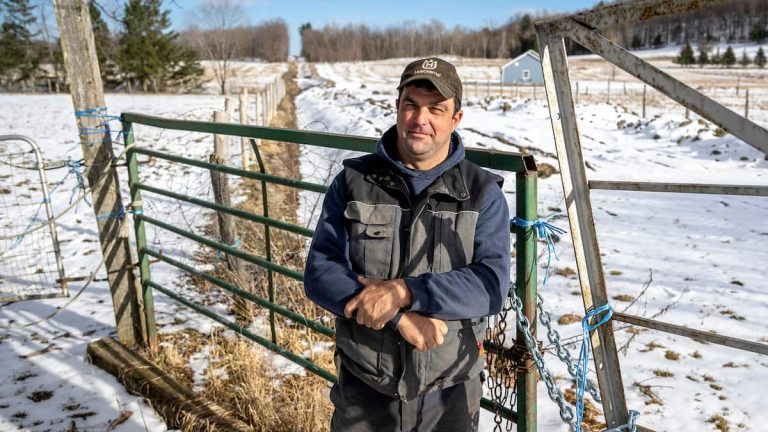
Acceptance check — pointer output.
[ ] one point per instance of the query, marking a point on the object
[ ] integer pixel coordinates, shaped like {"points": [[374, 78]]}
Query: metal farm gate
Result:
{"points": [[583, 28], [30, 260], [513, 377]]}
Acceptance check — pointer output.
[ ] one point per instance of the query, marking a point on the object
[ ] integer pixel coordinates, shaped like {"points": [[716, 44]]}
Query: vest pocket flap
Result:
{"points": [[379, 231], [371, 214]]}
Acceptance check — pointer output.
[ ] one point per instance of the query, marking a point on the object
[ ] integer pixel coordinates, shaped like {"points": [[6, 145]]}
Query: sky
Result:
{"points": [[381, 13]]}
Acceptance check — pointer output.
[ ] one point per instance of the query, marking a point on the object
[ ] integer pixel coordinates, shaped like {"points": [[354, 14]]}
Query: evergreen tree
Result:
{"points": [[703, 54], [18, 61], [148, 53], [760, 58], [758, 32], [101, 38], [657, 41], [686, 56], [729, 58], [744, 60], [636, 41]]}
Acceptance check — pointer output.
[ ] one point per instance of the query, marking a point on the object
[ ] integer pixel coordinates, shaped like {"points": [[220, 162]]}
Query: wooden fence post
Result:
{"points": [[577, 93], [746, 105], [79, 49], [227, 232], [644, 89], [244, 120]]}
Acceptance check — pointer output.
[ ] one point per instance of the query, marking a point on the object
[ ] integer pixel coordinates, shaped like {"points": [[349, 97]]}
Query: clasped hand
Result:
{"points": [[378, 303]]}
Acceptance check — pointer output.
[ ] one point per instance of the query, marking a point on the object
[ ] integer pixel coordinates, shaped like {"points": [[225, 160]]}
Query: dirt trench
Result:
{"points": [[253, 390]]}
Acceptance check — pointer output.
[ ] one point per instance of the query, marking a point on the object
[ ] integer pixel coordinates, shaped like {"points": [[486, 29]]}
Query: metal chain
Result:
{"points": [[501, 370], [562, 352], [566, 413]]}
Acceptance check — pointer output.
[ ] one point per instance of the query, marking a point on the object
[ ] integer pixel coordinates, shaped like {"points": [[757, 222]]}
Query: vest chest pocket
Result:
{"points": [[372, 230], [454, 235]]}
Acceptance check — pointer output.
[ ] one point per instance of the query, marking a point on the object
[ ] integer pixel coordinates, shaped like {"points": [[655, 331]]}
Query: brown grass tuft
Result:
{"points": [[568, 319]]}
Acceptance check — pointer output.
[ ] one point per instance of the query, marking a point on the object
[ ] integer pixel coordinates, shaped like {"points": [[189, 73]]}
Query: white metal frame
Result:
{"points": [[582, 28], [51, 221]]}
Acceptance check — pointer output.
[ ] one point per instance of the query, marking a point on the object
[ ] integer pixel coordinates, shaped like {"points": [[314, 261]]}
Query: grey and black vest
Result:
{"points": [[391, 237]]}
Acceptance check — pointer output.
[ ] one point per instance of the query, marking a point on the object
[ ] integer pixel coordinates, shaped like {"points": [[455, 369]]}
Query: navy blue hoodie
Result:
{"points": [[330, 282]]}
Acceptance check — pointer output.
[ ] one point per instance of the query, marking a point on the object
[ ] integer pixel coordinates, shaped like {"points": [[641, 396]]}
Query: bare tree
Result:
{"points": [[218, 42]]}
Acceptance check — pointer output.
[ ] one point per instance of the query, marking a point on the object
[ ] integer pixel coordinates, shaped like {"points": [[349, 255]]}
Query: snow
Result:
{"points": [[706, 252]]}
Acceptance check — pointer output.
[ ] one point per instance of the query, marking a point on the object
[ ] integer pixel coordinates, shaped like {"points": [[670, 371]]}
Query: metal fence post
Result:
{"points": [[141, 238], [267, 241], [526, 206]]}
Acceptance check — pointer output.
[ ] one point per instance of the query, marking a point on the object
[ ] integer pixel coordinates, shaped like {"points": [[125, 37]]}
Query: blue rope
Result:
{"points": [[220, 254], [544, 231], [74, 168], [586, 347], [118, 214], [99, 113]]}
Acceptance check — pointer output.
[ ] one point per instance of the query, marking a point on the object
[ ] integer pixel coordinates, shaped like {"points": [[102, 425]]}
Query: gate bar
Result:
{"points": [[714, 338], [679, 188]]}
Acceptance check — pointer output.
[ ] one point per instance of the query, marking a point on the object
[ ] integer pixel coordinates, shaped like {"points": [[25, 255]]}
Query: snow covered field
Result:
{"points": [[707, 254]]}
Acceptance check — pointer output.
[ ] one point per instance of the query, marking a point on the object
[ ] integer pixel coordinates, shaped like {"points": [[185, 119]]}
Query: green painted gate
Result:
{"points": [[524, 166]]}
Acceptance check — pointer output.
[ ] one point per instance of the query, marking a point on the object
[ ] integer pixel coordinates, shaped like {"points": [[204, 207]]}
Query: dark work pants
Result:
{"points": [[359, 408]]}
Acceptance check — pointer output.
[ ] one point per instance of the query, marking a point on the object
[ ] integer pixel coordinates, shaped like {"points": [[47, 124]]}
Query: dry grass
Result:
{"points": [[593, 418], [623, 297], [651, 398], [720, 422], [568, 319]]}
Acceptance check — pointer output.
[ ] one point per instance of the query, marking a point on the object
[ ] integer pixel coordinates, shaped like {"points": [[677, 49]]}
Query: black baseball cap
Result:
{"points": [[437, 71]]}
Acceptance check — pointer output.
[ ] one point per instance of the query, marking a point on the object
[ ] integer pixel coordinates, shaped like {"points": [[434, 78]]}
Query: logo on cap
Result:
{"points": [[429, 64]]}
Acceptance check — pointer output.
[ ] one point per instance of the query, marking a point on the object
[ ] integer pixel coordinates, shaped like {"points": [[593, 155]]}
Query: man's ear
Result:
{"points": [[397, 103], [457, 118]]}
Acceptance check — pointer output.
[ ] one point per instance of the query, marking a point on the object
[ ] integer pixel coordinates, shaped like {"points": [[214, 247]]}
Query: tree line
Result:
{"points": [[728, 58], [140, 52], [361, 42], [733, 21]]}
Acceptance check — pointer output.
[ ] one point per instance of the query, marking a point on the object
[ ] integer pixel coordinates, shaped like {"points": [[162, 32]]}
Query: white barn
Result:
{"points": [[523, 69]]}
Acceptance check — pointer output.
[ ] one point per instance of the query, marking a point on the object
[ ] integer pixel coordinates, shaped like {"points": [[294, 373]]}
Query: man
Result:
{"points": [[411, 253]]}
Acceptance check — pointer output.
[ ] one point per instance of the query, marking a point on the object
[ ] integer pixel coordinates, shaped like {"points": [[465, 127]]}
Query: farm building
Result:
{"points": [[523, 69]]}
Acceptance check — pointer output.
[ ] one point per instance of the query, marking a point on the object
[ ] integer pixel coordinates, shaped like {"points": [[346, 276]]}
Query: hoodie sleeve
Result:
{"points": [[328, 277], [480, 288]]}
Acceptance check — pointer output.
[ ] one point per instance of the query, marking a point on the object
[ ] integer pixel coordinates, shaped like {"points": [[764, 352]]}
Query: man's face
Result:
{"points": [[425, 121]]}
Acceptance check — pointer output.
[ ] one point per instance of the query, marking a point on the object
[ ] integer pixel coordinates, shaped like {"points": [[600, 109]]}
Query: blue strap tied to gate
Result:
{"points": [[119, 214], [544, 231], [586, 347], [235, 244]]}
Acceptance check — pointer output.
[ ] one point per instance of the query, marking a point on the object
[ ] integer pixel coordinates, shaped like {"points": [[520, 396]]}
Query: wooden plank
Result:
{"points": [[178, 405], [714, 338], [581, 220], [715, 189], [78, 47]]}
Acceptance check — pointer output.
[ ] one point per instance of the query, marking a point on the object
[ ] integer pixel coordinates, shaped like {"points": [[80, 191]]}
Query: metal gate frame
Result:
{"points": [[526, 178], [51, 220], [582, 28]]}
